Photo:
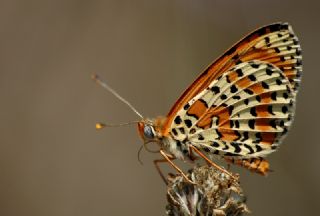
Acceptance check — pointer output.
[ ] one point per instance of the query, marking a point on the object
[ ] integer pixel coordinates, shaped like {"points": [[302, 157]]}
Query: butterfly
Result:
{"points": [[239, 109]]}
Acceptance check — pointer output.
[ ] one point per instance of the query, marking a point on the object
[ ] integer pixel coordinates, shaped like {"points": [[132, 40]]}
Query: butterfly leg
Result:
{"points": [[212, 163], [156, 164], [169, 158]]}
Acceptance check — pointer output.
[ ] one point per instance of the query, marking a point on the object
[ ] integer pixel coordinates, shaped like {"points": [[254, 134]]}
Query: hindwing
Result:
{"points": [[245, 112], [275, 44]]}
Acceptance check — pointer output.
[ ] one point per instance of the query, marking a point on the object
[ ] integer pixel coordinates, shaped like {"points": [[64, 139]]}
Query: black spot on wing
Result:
{"points": [[231, 124], [193, 115], [203, 102], [177, 120], [281, 123], [230, 109], [252, 77], [264, 85], [239, 72], [236, 124], [274, 96], [269, 108], [215, 89], [299, 62], [267, 40], [285, 131], [223, 97], [258, 98], [206, 149], [174, 131], [228, 79], [188, 123], [226, 147], [182, 131], [249, 148], [186, 106], [258, 148], [298, 52], [236, 97], [236, 146], [269, 71], [248, 91], [273, 123], [215, 144], [254, 65], [233, 89], [200, 137], [245, 136], [237, 134], [284, 109], [219, 134], [253, 111], [251, 123], [259, 138], [278, 81], [192, 131]]}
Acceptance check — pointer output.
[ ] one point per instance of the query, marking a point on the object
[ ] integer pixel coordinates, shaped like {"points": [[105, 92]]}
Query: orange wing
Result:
{"points": [[275, 43]]}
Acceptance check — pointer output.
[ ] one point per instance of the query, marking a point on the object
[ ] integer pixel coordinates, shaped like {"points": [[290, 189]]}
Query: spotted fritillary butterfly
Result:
{"points": [[239, 108]]}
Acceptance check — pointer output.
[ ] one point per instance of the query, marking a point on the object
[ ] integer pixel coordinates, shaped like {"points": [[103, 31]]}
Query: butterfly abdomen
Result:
{"points": [[257, 165]]}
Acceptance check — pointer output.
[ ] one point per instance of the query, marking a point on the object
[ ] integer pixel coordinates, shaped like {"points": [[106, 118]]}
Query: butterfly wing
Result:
{"points": [[275, 44], [243, 104], [243, 113]]}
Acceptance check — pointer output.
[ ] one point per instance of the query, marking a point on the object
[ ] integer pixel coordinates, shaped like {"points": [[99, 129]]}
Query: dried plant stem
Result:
{"points": [[214, 193]]}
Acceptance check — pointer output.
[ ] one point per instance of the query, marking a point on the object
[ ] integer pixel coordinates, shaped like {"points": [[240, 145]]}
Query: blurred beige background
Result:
{"points": [[54, 163]]}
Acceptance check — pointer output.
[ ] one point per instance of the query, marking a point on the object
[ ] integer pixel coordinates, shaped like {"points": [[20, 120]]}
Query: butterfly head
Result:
{"points": [[149, 130]]}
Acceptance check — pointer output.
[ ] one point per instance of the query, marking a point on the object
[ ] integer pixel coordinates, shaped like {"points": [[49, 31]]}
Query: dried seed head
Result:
{"points": [[214, 194]]}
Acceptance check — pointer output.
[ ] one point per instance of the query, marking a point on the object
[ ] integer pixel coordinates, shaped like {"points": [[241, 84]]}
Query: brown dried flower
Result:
{"points": [[214, 193]]}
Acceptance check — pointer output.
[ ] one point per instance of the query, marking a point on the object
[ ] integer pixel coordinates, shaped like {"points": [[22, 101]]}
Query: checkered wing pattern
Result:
{"points": [[243, 104]]}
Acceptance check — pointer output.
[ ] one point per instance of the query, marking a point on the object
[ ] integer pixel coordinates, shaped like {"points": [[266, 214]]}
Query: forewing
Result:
{"points": [[245, 112], [276, 44]]}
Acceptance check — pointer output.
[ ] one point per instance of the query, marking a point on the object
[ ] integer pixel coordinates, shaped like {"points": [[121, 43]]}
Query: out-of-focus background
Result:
{"points": [[52, 160]]}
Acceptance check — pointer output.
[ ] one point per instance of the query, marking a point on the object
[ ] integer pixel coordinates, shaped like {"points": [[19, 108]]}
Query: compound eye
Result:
{"points": [[148, 132]]}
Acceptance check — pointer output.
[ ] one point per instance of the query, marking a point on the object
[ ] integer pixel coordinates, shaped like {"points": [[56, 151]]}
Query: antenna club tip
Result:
{"points": [[94, 76], [100, 126]]}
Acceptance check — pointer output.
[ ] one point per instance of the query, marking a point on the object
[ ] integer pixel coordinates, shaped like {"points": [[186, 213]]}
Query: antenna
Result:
{"points": [[96, 78], [101, 125]]}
